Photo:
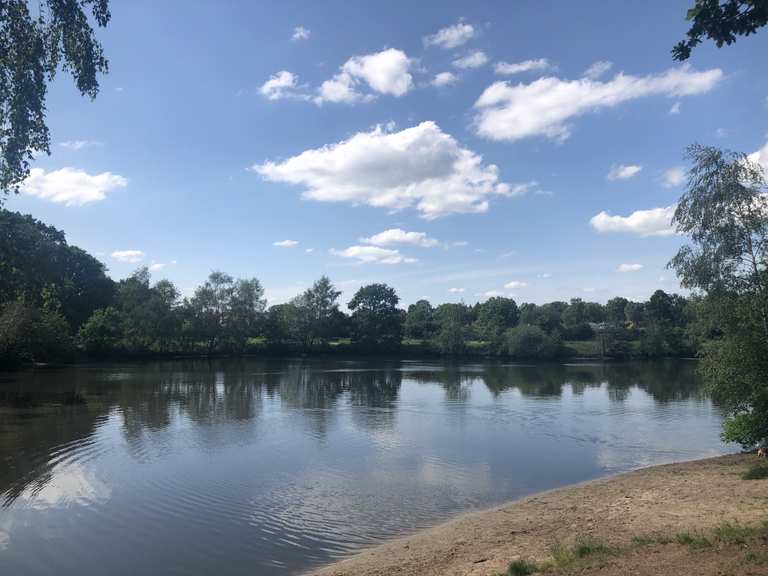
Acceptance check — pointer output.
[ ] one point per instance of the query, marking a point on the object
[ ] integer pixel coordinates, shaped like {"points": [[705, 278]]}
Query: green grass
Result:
{"points": [[692, 539], [757, 472], [564, 556], [522, 568]]}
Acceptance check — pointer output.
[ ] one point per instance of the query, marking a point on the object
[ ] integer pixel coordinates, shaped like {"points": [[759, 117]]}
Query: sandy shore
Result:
{"points": [[696, 495]]}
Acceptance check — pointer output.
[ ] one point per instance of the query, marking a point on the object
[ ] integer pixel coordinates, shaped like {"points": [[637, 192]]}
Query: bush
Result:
{"points": [[522, 568], [578, 332], [28, 334], [532, 343], [102, 333]]}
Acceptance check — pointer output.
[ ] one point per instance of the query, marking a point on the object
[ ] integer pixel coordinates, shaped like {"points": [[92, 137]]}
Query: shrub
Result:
{"points": [[531, 342], [102, 333], [29, 334], [522, 568]]}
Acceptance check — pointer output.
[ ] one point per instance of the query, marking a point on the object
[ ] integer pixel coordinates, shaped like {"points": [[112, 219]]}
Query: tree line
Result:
{"points": [[56, 300]]}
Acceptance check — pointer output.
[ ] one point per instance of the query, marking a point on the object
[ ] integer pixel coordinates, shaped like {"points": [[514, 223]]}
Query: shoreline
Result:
{"points": [[695, 495]]}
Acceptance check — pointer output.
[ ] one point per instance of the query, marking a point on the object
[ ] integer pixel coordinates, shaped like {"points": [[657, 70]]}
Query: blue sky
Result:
{"points": [[453, 150]]}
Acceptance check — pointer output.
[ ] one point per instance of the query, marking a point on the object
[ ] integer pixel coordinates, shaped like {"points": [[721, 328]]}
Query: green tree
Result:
{"points": [[532, 343], [36, 39], [279, 323], [245, 312], [226, 311], [615, 310], [322, 302], [420, 321], [103, 332], [450, 329], [209, 308], [724, 211], [495, 317], [376, 320], [721, 21], [30, 334], [38, 266]]}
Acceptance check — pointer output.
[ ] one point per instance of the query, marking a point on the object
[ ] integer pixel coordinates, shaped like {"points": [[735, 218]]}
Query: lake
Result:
{"points": [[275, 466]]}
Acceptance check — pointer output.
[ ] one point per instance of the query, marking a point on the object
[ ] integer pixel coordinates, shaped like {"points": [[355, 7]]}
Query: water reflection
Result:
{"points": [[278, 465]]}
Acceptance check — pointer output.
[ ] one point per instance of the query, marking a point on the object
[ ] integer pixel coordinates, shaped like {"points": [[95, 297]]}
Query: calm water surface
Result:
{"points": [[272, 467]]}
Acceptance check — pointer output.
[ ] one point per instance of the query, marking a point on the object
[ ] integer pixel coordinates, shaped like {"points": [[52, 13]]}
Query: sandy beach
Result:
{"points": [[619, 511]]}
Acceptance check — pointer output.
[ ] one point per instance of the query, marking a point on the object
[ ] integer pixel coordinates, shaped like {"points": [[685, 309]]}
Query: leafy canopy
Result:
{"points": [[36, 39], [721, 22]]}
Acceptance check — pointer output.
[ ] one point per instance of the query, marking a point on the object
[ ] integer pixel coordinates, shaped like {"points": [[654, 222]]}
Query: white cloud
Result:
{"points": [[339, 89], [395, 236], [675, 108], [761, 157], [623, 172], [506, 68], [301, 33], [673, 177], [309, 250], [460, 243], [653, 222], [71, 186], [544, 107], [157, 266], [420, 167], [456, 290], [286, 243], [545, 275], [282, 85], [385, 72], [373, 254], [515, 284], [629, 268], [598, 69], [472, 60], [79, 144], [129, 256], [444, 79], [451, 37], [721, 132]]}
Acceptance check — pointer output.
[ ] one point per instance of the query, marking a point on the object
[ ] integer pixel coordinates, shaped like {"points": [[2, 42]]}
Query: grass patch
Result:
{"points": [[522, 568], [692, 539], [758, 558], [564, 556], [733, 534], [757, 472]]}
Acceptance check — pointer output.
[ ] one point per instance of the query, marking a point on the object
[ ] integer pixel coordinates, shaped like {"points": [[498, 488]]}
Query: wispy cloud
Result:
{"points": [[623, 172], [451, 36], [546, 106], [598, 69], [301, 33], [474, 59], [673, 177], [79, 144], [444, 79], [398, 236], [506, 68], [373, 255], [128, 256]]}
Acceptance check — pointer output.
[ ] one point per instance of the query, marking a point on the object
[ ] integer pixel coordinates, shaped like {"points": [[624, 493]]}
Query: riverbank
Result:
{"points": [[659, 520]]}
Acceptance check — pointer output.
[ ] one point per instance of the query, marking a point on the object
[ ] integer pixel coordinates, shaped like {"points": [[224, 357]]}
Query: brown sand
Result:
{"points": [[666, 499]]}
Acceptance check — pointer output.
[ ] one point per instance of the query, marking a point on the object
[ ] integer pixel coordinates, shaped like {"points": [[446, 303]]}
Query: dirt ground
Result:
{"points": [[649, 506]]}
